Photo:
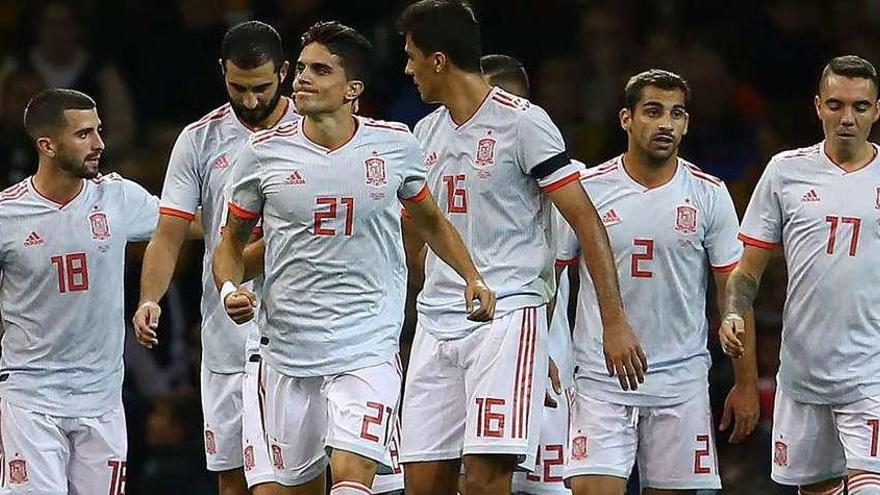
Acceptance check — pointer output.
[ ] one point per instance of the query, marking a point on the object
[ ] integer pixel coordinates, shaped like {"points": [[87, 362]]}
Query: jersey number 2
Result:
{"points": [[73, 272], [635, 269]]}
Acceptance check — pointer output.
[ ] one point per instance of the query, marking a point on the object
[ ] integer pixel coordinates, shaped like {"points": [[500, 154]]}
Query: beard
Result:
{"points": [[254, 116], [78, 167]]}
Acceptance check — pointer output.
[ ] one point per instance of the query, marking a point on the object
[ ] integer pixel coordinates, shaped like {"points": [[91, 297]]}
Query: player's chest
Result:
{"points": [[481, 158]]}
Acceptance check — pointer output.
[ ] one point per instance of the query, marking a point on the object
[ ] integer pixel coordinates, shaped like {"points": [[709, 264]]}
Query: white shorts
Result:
{"points": [[816, 442], [221, 404], [481, 394], [392, 481], [548, 476], [674, 446], [255, 452], [51, 455], [304, 417]]}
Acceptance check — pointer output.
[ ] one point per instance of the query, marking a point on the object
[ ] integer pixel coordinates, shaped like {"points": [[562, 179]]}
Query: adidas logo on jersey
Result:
{"points": [[810, 197], [610, 217], [33, 239], [295, 179]]}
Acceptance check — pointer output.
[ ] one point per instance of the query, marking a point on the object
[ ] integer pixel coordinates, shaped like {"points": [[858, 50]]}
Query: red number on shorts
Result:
{"points": [[648, 255], [330, 213], [700, 453], [832, 234], [117, 480], [456, 197], [875, 430], [548, 464], [73, 272], [485, 418], [372, 420]]}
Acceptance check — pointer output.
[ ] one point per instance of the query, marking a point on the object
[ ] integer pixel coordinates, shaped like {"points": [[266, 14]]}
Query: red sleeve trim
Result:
{"points": [[242, 213], [725, 268], [568, 179], [171, 212], [422, 194], [404, 213], [570, 262], [751, 241]]}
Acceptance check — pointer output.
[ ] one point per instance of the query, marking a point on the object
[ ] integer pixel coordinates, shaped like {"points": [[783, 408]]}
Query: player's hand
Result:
{"points": [[742, 410], [477, 289], [240, 305], [624, 356], [553, 373], [145, 321], [733, 327]]}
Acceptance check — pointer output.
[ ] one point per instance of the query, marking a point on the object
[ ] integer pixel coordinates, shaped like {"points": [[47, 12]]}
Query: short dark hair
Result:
{"points": [[657, 78], [251, 44], [345, 42], [45, 111], [503, 69], [447, 26], [851, 66]]}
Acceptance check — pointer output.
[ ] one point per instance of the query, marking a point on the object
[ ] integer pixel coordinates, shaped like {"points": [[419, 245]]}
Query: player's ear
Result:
{"points": [[876, 111], [355, 90], [439, 62], [625, 119], [282, 71], [687, 122], [46, 146], [222, 66], [818, 104]]}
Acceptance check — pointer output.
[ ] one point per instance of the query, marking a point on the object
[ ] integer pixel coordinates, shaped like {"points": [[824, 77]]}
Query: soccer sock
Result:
{"points": [[350, 488], [837, 490], [864, 484]]}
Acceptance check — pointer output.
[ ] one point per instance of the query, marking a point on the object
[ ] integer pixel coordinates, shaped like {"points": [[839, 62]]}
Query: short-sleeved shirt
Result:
{"points": [[666, 241], [489, 176], [62, 293], [198, 173], [335, 277], [828, 222]]}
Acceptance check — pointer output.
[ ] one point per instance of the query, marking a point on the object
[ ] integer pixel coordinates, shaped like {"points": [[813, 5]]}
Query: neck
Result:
{"points": [[272, 119], [463, 94], [330, 130], [646, 171], [850, 159], [56, 184]]}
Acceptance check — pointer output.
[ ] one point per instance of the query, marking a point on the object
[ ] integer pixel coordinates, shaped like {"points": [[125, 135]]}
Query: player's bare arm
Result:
{"points": [[623, 353], [441, 236], [160, 260], [742, 406], [742, 287], [414, 249], [253, 259], [229, 268]]}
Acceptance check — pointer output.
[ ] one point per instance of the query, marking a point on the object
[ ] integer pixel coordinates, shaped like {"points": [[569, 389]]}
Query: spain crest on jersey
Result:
{"points": [[375, 170], [249, 461], [18, 471], [100, 226], [485, 153], [210, 443], [780, 454], [277, 458], [877, 201], [685, 219], [579, 447]]}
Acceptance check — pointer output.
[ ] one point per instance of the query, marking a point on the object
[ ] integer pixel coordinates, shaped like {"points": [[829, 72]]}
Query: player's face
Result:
{"points": [[321, 85], [421, 68], [78, 144], [658, 123], [848, 108], [253, 94]]}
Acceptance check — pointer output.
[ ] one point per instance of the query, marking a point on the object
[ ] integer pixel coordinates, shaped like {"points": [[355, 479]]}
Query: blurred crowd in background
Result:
{"points": [[152, 66]]}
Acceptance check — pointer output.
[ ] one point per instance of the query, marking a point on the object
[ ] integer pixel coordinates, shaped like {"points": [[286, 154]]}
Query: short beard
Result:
{"points": [[254, 117], [76, 167]]}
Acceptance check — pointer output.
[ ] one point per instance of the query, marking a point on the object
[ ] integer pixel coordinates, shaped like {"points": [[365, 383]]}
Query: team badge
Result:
{"points": [[780, 454], [579, 447], [485, 153], [100, 226], [221, 162], [432, 158], [375, 169], [249, 462], [277, 458], [877, 201], [210, 443], [18, 471], [685, 219]]}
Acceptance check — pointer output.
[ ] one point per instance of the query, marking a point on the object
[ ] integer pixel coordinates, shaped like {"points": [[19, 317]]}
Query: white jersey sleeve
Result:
{"points": [[722, 247], [181, 193], [541, 150], [762, 222], [247, 197], [414, 186], [144, 210]]}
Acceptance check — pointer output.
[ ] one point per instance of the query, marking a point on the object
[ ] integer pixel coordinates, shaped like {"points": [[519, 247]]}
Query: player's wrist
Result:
{"points": [[226, 289], [148, 302]]}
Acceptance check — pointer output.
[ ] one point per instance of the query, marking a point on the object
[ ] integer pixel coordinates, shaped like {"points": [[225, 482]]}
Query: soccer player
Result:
{"points": [[671, 226], [62, 250], [328, 189], [821, 204], [253, 67], [493, 161]]}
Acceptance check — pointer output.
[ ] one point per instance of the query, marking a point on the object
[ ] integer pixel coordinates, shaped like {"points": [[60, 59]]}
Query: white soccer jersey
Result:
{"points": [[335, 278], [664, 242], [198, 172], [62, 293], [487, 175], [828, 222]]}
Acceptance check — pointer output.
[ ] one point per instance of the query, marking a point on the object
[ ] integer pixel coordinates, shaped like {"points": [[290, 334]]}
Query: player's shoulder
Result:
{"points": [[698, 176], [384, 126], [509, 102], [601, 173], [267, 137], [796, 155], [210, 120], [14, 193], [430, 120]]}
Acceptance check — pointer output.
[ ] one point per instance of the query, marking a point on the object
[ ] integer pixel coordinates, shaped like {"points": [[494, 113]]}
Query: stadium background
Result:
{"points": [[152, 67]]}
